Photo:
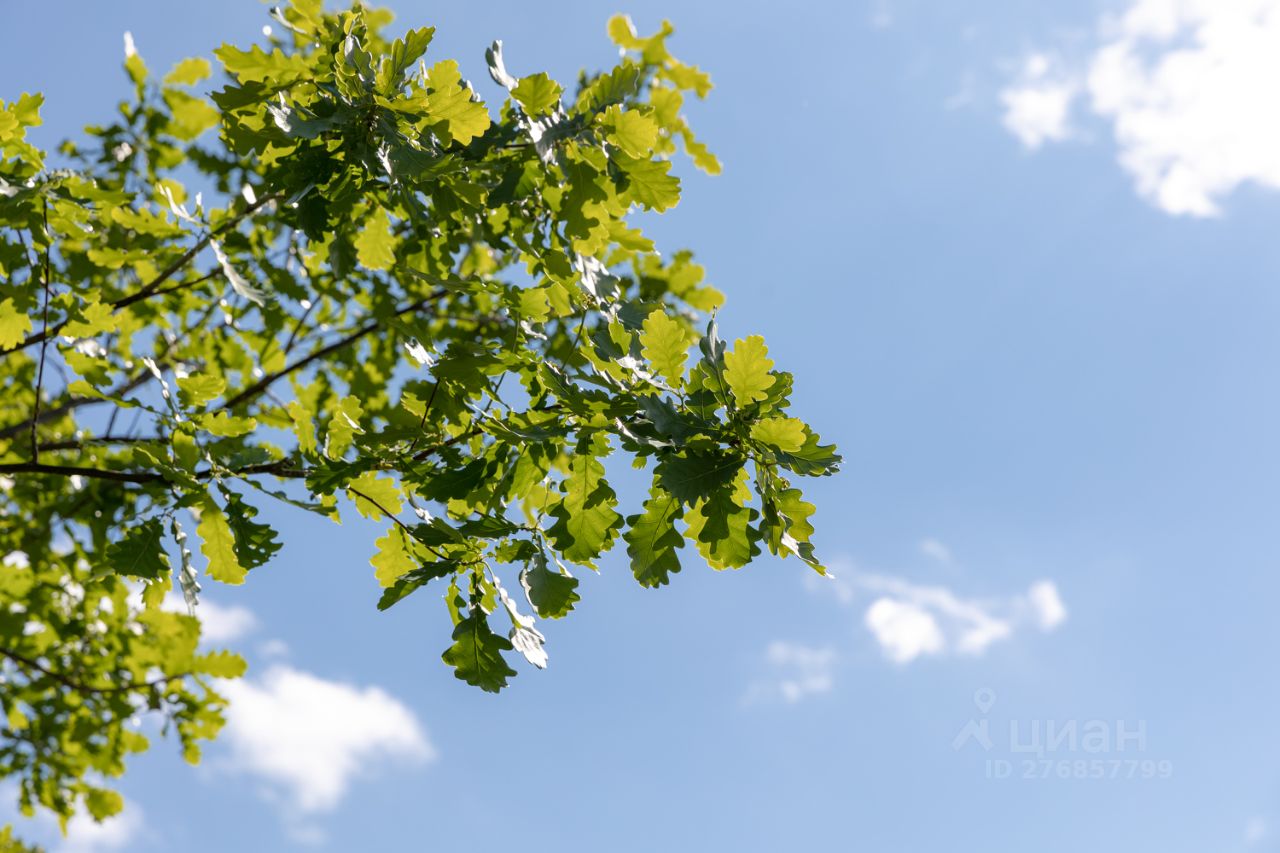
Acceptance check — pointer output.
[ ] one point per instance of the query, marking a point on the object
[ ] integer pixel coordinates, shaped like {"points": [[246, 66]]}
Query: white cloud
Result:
{"points": [[1255, 831], [1037, 109], [1188, 87], [308, 738], [795, 672], [1047, 605], [904, 630], [909, 620], [85, 835], [218, 623]]}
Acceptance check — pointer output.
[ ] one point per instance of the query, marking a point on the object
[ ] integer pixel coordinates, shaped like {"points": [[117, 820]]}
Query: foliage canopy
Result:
{"points": [[384, 290]]}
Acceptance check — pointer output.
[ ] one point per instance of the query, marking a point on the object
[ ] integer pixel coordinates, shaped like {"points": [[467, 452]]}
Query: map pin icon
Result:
{"points": [[984, 699]]}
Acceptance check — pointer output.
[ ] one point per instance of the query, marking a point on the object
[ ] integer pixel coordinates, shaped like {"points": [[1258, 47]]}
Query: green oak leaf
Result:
{"points": [[694, 476], [652, 539], [586, 523], [140, 554], [648, 182], [720, 526], [255, 543], [102, 804], [551, 593], [476, 653], [812, 459]]}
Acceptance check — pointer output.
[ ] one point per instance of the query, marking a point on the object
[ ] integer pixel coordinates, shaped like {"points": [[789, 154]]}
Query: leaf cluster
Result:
{"points": [[338, 273]]}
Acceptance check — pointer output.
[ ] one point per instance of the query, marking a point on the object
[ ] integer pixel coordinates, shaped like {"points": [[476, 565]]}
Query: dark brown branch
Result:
{"points": [[408, 531], [277, 469], [265, 382], [44, 343], [79, 686], [77, 444], [153, 287], [73, 404]]}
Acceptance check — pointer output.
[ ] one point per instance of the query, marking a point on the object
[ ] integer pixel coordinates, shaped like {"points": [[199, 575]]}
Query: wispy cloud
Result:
{"points": [[1188, 88], [935, 550], [85, 835], [794, 672], [911, 620]]}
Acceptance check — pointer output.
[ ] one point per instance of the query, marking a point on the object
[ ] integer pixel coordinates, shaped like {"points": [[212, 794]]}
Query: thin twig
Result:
{"points": [[72, 404], [423, 425], [153, 287], [293, 336], [80, 686], [262, 384], [44, 343], [406, 529], [277, 469], [77, 444]]}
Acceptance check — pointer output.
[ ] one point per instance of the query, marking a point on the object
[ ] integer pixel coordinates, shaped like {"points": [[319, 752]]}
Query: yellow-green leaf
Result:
{"points": [[199, 388], [375, 244], [537, 93], [303, 427], [102, 804], [392, 560], [786, 434], [450, 109], [188, 72], [665, 343], [190, 116], [343, 426], [218, 545], [14, 325], [221, 664], [632, 131], [226, 426], [95, 318], [746, 369], [374, 496], [648, 182]]}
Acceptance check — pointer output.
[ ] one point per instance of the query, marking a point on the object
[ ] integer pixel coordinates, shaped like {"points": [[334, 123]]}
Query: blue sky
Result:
{"points": [[1021, 257]]}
